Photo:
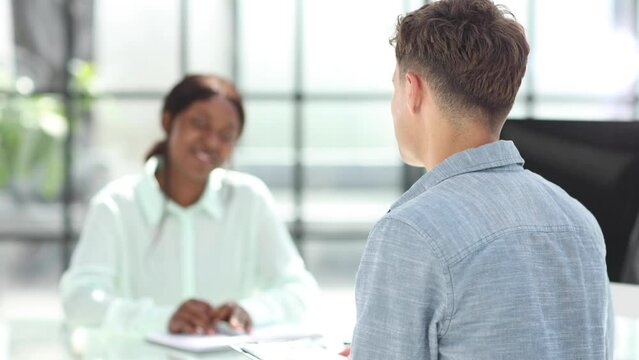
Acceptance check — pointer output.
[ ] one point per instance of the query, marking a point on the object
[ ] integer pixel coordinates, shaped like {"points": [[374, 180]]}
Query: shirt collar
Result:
{"points": [[493, 155], [152, 200]]}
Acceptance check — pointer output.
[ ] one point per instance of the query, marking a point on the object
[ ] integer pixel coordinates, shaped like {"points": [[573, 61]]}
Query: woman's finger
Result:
{"points": [[223, 313]]}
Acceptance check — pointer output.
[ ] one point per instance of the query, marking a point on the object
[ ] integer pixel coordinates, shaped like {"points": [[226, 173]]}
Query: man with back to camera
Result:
{"points": [[479, 259]]}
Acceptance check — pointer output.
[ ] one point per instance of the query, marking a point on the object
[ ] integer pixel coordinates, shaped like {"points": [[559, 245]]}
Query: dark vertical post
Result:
{"points": [[184, 36], [625, 14], [531, 97], [298, 126], [635, 85], [235, 42], [69, 110]]}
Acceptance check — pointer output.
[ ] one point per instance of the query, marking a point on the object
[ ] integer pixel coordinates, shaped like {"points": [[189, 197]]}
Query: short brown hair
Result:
{"points": [[472, 53]]}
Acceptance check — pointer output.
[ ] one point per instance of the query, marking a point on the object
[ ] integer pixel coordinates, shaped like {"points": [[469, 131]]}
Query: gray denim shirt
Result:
{"points": [[481, 259]]}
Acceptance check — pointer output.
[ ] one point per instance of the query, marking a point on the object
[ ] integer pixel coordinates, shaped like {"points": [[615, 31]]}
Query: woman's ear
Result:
{"points": [[166, 122]]}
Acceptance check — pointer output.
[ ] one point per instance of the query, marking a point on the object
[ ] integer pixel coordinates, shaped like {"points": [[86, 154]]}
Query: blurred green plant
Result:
{"points": [[32, 134], [82, 83], [32, 131]]}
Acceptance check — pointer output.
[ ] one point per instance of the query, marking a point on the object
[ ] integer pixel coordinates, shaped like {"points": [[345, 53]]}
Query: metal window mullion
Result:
{"points": [[298, 127], [183, 24], [531, 95], [235, 42], [69, 110]]}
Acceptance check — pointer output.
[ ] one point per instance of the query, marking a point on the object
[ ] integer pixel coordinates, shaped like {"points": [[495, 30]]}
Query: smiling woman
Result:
{"points": [[202, 118], [187, 243]]}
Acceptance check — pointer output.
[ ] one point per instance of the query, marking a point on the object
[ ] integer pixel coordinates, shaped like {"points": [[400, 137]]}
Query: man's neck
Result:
{"points": [[450, 139]]}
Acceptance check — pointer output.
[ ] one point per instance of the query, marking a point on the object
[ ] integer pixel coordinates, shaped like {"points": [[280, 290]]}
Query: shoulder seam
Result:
{"points": [[467, 251]]}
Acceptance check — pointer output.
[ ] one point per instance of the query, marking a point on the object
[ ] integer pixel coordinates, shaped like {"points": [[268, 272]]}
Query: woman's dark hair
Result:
{"points": [[194, 88]]}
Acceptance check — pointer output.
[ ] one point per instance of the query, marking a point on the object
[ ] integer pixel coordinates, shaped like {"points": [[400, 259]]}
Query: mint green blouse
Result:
{"points": [[131, 269]]}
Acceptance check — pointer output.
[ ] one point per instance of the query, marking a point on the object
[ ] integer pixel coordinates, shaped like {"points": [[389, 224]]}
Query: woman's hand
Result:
{"points": [[192, 317], [235, 315]]}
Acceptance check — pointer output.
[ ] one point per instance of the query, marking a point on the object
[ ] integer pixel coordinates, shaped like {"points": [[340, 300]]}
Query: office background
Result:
{"points": [[81, 84]]}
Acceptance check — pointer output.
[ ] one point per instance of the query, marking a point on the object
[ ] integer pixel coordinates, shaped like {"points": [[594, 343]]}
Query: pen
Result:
{"points": [[246, 352]]}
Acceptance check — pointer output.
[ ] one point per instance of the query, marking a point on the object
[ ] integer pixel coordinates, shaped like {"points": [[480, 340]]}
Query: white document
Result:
{"points": [[290, 350], [205, 343]]}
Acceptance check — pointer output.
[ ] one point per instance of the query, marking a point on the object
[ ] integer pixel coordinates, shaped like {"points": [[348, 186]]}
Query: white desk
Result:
{"points": [[46, 339], [625, 300]]}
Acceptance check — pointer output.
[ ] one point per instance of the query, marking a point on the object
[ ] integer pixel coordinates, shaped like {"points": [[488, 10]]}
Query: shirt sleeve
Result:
{"points": [[401, 296], [610, 330], [286, 291], [91, 289]]}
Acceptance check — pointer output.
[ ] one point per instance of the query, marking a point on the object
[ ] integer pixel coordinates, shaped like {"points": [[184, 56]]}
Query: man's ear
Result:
{"points": [[414, 91], [166, 122]]}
